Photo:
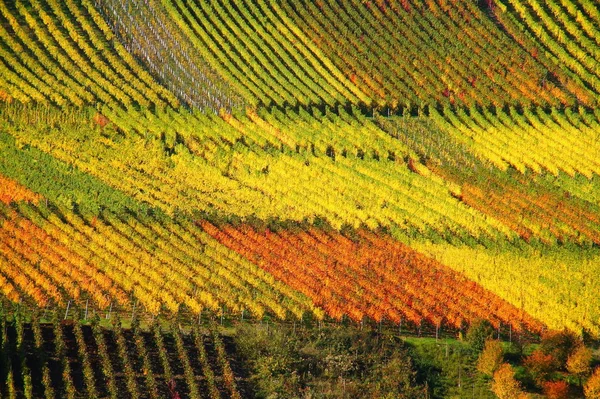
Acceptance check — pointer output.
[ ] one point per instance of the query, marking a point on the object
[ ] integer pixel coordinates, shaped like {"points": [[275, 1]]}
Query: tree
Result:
{"points": [[394, 379], [505, 386], [540, 365], [579, 363], [491, 357], [592, 386], [479, 331], [556, 389], [558, 344]]}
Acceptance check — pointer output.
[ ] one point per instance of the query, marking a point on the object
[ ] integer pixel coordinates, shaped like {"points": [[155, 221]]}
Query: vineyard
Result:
{"points": [[170, 169], [42, 358]]}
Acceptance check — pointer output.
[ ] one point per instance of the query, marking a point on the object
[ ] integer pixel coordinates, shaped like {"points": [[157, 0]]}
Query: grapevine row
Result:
{"points": [[57, 52], [95, 361], [363, 280]]}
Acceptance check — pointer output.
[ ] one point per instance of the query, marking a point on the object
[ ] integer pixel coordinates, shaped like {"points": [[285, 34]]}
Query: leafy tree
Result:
{"points": [[394, 378], [556, 389], [505, 386], [579, 363], [491, 357], [559, 344], [479, 331], [592, 386], [540, 365]]}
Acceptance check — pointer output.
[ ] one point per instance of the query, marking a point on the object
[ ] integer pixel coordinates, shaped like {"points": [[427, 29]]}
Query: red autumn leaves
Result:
{"points": [[372, 276]]}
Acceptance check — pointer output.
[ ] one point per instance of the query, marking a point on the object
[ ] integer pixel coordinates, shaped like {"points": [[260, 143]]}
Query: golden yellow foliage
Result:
{"points": [[504, 385], [491, 357]]}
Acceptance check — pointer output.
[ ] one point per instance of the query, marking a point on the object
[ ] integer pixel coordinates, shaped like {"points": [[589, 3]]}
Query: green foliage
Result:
{"points": [[478, 333], [330, 361], [59, 182], [448, 369]]}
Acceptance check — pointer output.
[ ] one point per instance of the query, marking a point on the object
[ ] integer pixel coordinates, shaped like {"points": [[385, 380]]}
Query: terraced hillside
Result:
{"points": [[429, 163]]}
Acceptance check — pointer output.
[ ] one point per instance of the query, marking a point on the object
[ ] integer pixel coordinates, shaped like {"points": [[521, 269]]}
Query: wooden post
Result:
{"points": [[133, 310], [109, 312], [67, 311], [87, 301]]}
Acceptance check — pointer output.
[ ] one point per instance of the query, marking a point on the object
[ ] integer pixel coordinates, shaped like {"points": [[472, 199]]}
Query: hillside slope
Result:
{"points": [[374, 159]]}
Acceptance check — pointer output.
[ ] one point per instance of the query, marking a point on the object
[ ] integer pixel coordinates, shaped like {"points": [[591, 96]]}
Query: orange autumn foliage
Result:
{"points": [[11, 191], [556, 389], [43, 267], [100, 120], [592, 386], [525, 207], [372, 276], [540, 365]]}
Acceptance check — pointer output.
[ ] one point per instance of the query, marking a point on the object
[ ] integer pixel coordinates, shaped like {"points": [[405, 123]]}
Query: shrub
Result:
{"points": [[491, 357]]}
